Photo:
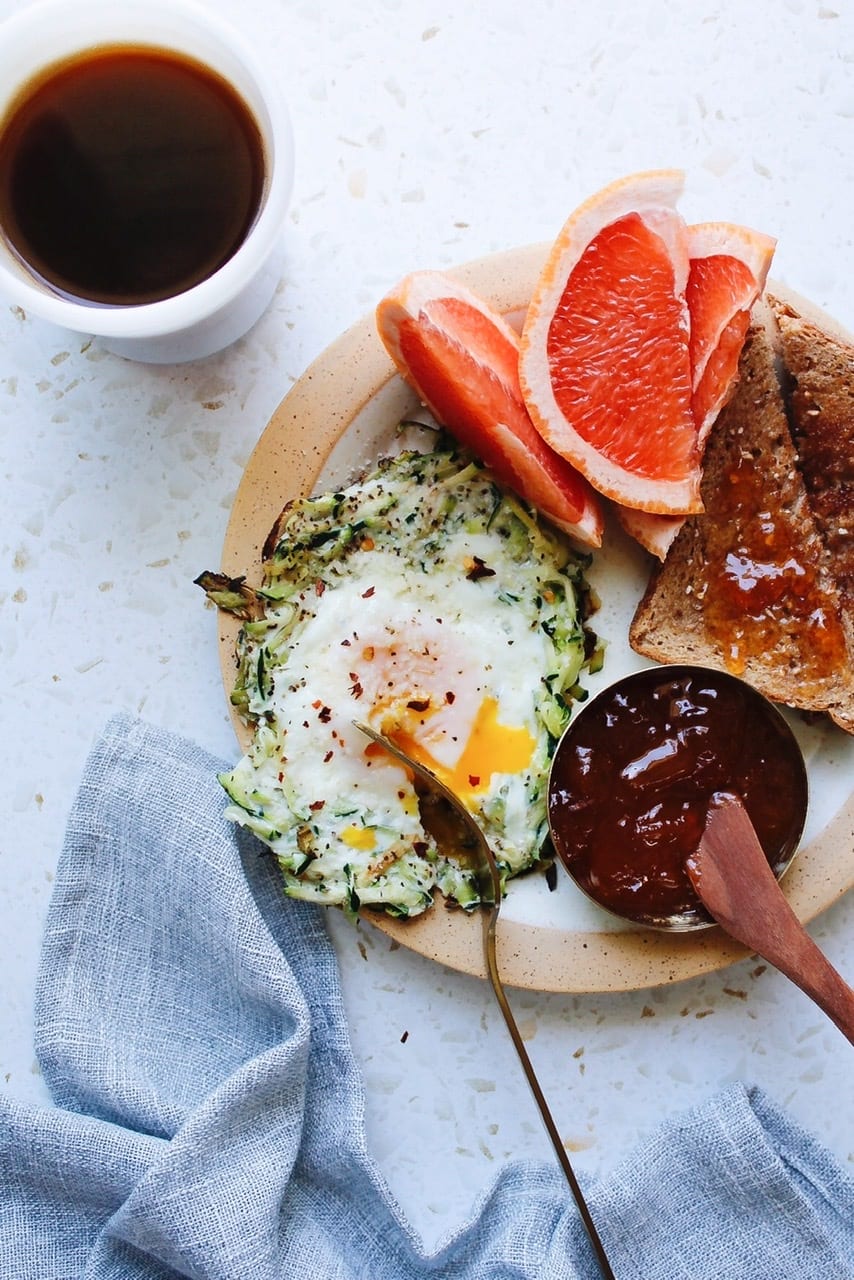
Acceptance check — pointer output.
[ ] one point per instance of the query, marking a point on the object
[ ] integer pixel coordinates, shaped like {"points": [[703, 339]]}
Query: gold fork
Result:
{"points": [[489, 888]]}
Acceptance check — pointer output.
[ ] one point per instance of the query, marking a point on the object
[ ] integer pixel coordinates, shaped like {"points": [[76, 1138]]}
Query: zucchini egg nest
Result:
{"points": [[430, 603]]}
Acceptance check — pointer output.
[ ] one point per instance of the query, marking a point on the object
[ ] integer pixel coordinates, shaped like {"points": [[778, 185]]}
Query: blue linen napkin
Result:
{"points": [[209, 1111]]}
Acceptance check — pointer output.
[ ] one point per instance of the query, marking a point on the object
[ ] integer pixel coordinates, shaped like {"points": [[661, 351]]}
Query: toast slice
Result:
{"points": [[749, 585], [818, 384]]}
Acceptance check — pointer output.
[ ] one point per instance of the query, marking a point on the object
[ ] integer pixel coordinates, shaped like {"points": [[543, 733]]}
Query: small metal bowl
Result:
{"points": [[634, 774]]}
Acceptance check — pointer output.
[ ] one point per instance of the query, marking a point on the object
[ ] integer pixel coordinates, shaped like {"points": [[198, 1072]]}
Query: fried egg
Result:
{"points": [[430, 604]]}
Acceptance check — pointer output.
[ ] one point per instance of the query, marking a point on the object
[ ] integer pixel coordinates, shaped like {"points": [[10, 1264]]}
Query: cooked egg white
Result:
{"points": [[429, 603]]}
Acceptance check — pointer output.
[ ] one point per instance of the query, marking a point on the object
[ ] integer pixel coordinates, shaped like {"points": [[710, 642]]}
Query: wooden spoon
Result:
{"points": [[732, 878]]}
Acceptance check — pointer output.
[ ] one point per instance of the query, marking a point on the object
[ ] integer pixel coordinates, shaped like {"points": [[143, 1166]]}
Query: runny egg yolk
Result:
{"points": [[491, 748]]}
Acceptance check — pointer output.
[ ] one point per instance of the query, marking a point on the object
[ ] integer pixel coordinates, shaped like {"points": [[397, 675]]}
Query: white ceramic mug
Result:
{"points": [[211, 315]]}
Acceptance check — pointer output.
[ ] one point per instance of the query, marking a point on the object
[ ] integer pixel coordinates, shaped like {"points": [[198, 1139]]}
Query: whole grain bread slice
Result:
{"points": [[748, 586]]}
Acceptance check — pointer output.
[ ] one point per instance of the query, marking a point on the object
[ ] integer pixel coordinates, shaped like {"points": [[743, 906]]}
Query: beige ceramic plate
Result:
{"points": [[338, 418]]}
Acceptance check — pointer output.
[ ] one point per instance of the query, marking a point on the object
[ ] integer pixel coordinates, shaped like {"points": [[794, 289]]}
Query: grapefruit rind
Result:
{"points": [[655, 533]]}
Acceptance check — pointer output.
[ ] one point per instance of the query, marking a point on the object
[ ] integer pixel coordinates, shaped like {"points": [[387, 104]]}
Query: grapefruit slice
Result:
{"points": [[462, 359], [728, 268], [605, 363]]}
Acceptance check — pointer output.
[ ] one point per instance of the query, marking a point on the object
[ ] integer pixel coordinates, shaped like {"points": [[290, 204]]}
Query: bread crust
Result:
{"points": [[749, 586], [818, 386]]}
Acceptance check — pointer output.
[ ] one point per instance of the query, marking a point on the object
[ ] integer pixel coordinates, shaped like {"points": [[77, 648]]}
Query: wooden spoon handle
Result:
{"points": [[809, 968], [731, 876]]}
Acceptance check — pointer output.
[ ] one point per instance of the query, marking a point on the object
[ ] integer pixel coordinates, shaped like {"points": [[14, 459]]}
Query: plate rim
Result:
{"points": [[286, 461]]}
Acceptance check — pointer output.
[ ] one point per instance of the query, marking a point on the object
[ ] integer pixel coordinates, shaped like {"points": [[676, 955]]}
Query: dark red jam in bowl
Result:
{"points": [[634, 774]]}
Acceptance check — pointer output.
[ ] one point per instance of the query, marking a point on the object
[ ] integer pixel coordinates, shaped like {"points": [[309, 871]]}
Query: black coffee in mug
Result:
{"points": [[128, 174]]}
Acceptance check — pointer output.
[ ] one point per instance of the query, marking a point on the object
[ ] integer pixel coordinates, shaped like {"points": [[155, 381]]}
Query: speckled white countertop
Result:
{"points": [[427, 134]]}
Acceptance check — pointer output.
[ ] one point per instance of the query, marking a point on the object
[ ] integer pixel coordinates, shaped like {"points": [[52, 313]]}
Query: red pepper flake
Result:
{"points": [[328, 757], [345, 644], [366, 595], [474, 780], [317, 703], [319, 587], [325, 715], [404, 1037], [418, 704], [450, 697], [356, 687], [477, 568], [316, 805]]}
